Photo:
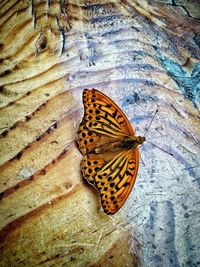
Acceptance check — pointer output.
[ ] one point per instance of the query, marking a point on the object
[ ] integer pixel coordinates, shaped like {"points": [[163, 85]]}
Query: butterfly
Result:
{"points": [[110, 149]]}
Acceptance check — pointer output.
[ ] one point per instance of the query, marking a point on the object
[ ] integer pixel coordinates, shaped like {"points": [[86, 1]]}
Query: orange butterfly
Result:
{"points": [[109, 147]]}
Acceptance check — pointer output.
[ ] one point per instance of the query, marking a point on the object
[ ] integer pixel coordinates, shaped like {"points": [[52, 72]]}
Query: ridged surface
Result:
{"points": [[144, 55]]}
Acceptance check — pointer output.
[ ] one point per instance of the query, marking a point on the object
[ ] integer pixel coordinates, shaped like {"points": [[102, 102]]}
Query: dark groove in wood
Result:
{"points": [[18, 29], [25, 23], [27, 118], [3, 3], [38, 75], [32, 7], [10, 8], [128, 66], [21, 50], [65, 153], [24, 9], [17, 223], [44, 72], [25, 94], [48, 131], [124, 80], [53, 127]]}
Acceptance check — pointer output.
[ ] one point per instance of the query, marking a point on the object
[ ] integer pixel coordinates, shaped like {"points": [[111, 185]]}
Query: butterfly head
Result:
{"points": [[140, 140]]}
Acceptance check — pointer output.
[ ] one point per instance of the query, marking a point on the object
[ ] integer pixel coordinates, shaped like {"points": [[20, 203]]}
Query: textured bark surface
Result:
{"points": [[144, 55]]}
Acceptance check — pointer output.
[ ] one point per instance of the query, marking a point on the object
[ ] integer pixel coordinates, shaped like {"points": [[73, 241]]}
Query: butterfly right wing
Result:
{"points": [[90, 165], [116, 178]]}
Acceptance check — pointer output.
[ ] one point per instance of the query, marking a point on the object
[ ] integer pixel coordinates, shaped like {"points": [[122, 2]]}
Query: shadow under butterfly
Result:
{"points": [[110, 149]]}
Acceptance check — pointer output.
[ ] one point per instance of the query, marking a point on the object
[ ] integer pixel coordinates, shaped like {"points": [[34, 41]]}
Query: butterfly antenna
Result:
{"points": [[152, 143], [160, 148], [151, 122], [142, 159]]}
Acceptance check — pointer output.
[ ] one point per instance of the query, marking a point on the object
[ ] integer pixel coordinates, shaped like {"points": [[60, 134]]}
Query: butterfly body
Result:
{"points": [[129, 142], [109, 147]]}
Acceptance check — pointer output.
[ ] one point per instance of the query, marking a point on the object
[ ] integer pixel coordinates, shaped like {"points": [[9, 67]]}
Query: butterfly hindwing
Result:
{"points": [[116, 179], [90, 165]]}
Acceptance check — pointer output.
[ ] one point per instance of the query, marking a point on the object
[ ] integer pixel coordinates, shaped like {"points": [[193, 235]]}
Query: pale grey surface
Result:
{"points": [[127, 59]]}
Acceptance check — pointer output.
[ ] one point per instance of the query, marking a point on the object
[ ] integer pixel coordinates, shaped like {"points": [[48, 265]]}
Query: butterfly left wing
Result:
{"points": [[100, 108], [103, 121], [116, 178], [90, 165]]}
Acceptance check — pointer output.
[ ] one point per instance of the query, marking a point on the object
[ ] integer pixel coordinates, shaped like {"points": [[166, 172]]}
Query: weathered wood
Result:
{"points": [[144, 55]]}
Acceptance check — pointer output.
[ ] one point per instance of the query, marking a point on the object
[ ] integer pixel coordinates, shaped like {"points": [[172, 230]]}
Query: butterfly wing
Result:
{"points": [[99, 105], [114, 173], [116, 178], [90, 165], [102, 117]]}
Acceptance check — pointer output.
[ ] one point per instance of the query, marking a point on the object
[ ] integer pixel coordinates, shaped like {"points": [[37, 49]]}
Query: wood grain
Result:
{"points": [[144, 55]]}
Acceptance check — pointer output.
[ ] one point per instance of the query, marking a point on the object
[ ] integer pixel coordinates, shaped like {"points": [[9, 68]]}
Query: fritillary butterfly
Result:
{"points": [[109, 147]]}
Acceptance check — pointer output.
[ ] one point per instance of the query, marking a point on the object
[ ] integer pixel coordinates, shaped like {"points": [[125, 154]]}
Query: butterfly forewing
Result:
{"points": [[104, 114], [86, 138], [101, 118], [113, 173]]}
